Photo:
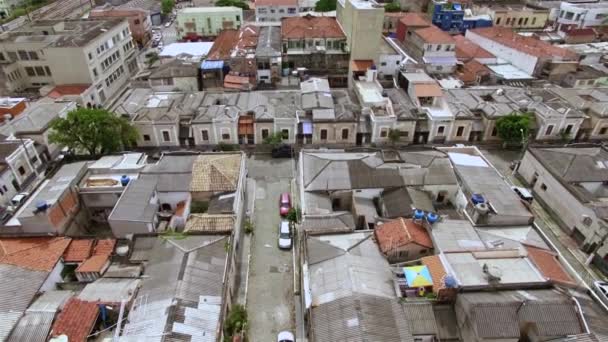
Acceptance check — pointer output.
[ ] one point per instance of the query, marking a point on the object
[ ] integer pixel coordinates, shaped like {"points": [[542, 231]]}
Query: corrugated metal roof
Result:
{"points": [[33, 327], [110, 290], [18, 287], [50, 301], [134, 204], [9, 321], [420, 318]]}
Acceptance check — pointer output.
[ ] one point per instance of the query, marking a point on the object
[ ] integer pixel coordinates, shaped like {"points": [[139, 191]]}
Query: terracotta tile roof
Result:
{"points": [[39, 254], [415, 19], [400, 232], [434, 35], [76, 320], [427, 89], [259, 3], [78, 250], [68, 89], [435, 266], [236, 82], [532, 46], [209, 223], [471, 70], [549, 265], [104, 247], [216, 172], [361, 64], [247, 38], [311, 27], [223, 45], [578, 32], [466, 49], [94, 264]]}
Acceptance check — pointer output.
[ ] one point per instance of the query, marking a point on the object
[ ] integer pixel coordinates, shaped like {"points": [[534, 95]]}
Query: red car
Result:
{"points": [[284, 204]]}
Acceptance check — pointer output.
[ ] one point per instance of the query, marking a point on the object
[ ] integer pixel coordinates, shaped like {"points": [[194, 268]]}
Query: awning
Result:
{"points": [[212, 65], [440, 60], [361, 64], [418, 276]]}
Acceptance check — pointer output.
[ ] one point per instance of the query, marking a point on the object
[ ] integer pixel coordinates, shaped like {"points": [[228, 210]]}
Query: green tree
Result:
{"points": [[274, 139], [235, 322], [166, 6], [151, 58], [394, 135], [392, 7], [513, 128], [96, 131], [236, 3], [294, 215], [325, 5]]}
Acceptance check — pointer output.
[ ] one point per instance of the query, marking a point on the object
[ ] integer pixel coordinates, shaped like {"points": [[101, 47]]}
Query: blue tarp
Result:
{"points": [[212, 65], [307, 127]]}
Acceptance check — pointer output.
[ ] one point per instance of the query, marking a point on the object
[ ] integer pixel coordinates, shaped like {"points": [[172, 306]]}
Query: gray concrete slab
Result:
{"points": [[270, 297]]}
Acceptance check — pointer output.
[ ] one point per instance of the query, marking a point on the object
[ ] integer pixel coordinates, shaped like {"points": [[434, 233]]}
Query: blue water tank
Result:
{"points": [[450, 282], [432, 217], [477, 198], [41, 206], [418, 214], [124, 180]]}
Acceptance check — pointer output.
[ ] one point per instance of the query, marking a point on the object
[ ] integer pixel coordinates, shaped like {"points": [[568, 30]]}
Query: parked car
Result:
{"points": [[284, 204], [284, 235], [282, 151], [168, 24], [601, 289], [4, 214], [285, 336], [17, 200], [523, 193]]}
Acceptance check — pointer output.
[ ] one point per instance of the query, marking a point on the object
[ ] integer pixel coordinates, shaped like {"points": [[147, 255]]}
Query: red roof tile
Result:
{"points": [[400, 232], [577, 32], [466, 49], [76, 320], [78, 250], [223, 45], [311, 27], [415, 19], [104, 247], [548, 264], [236, 82], [39, 254], [532, 46], [434, 35], [94, 264], [68, 89], [435, 266]]}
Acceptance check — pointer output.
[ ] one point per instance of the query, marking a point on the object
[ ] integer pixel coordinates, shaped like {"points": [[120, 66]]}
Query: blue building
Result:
{"points": [[453, 18]]}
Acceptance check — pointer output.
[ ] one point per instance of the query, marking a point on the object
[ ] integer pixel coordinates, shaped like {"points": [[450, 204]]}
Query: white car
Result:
{"points": [[285, 336], [17, 201], [284, 235], [601, 289], [523, 193], [168, 24]]}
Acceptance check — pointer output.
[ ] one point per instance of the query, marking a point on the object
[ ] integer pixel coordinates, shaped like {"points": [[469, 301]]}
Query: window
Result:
{"points": [[578, 17], [136, 21], [95, 72], [12, 55], [21, 170], [323, 134], [526, 22], [508, 21], [146, 137], [423, 251], [498, 21], [344, 134], [460, 131], [33, 55], [281, 10], [264, 133], [225, 136], [34, 160], [543, 187], [23, 55], [238, 18], [90, 56], [533, 20], [2, 57], [404, 134], [205, 135], [520, 21], [429, 47], [30, 71], [568, 129], [5, 188], [285, 134], [39, 71], [494, 131], [438, 48], [384, 133], [48, 70], [603, 130], [549, 130], [440, 130], [383, 64], [166, 136], [569, 15], [272, 10], [291, 10]]}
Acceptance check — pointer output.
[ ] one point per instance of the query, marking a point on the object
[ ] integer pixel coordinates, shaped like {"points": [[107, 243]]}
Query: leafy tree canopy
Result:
{"points": [[236, 3], [514, 127], [325, 5], [95, 131], [392, 7], [166, 6], [274, 139]]}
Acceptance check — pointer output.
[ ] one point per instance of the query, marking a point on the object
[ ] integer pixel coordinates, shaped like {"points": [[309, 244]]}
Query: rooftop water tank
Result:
{"points": [[482, 208], [432, 217], [41, 206], [477, 198], [418, 214], [450, 282], [124, 180]]}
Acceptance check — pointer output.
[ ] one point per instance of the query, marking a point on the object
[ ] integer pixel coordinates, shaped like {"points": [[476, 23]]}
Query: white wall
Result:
{"points": [[264, 13], [389, 64], [519, 59], [53, 278], [582, 16]]}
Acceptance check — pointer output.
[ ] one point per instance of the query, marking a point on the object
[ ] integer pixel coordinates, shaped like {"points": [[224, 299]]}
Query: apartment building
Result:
{"points": [[573, 15], [516, 16], [275, 10], [58, 52], [139, 20], [362, 22], [434, 48], [196, 23]]}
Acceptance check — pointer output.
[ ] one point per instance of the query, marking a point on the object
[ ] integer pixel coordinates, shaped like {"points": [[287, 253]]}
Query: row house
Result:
{"points": [[594, 103], [275, 10], [317, 44], [515, 16]]}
